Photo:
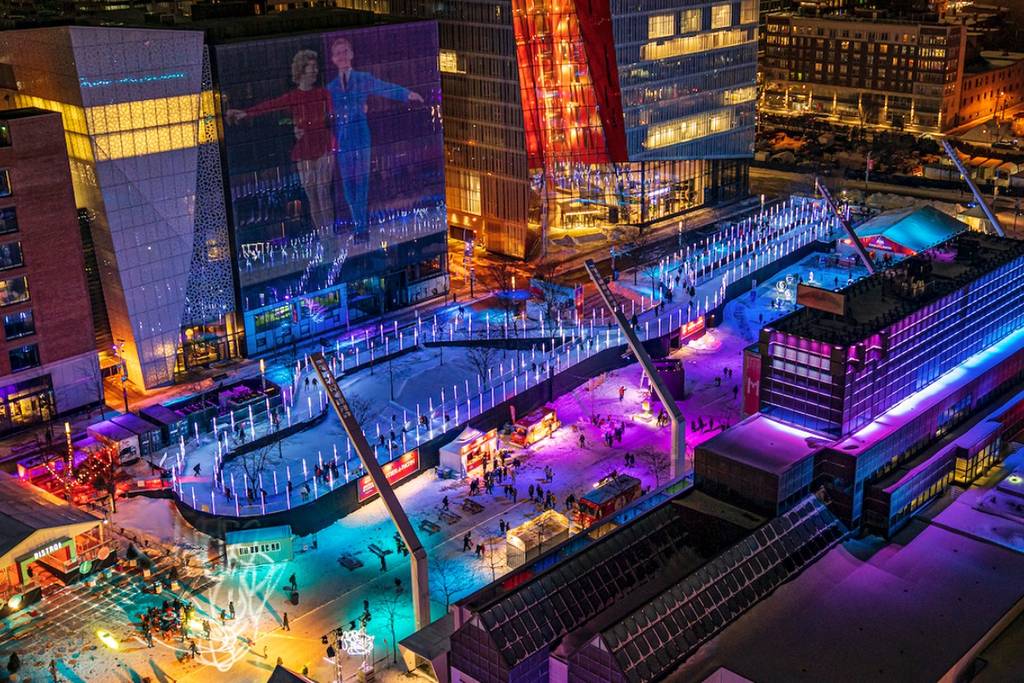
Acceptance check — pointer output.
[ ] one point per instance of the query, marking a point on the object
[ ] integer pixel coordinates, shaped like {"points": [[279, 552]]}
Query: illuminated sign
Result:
{"points": [[691, 330], [449, 62], [395, 471], [48, 550], [821, 299]]}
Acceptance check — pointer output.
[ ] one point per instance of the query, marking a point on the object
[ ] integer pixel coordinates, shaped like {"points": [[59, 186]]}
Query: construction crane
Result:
{"points": [[420, 577], [864, 256], [951, 153], [668, 401]]}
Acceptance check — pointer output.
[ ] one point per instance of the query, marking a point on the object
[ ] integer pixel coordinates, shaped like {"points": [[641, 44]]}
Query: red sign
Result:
{"points": [[692, 330], [751, 382], [395, 471]]}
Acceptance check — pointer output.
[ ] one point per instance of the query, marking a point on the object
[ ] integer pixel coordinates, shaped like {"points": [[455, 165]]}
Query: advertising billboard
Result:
{"points": [[396, 470], [333, 146], [821, 299]]}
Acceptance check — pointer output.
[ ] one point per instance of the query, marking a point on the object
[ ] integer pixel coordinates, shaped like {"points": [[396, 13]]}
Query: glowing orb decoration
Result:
{"points": [[357, 643], [15, 601], [107, 639]]}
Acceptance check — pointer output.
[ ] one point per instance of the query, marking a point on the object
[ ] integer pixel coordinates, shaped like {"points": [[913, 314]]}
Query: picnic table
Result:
{"points": [[429, 527], [449, 517], [378, 551], [349, 562], [471, 506]]}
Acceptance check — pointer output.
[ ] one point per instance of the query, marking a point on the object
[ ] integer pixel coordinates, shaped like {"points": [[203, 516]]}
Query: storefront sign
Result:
{"points": [[691, 330], [751, 382], [48, 550], [395, 471]]}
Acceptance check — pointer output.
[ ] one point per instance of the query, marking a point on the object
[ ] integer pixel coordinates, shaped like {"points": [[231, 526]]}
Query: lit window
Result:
{"points": [[13, 290], [661, 26], [689, 21], [748, 12], [5, 183], [721, 15], [19, 325], [449, 62]]}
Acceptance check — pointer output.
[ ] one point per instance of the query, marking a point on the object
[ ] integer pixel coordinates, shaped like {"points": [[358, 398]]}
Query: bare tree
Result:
{"points": [[482, 359], [256, 461], [501, 278], [555, 301], [392, 603], [657, 462], [362, 409], [448, 577], [635, 240], [652, 270]]}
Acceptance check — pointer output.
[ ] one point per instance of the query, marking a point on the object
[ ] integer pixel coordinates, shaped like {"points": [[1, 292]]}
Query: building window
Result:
{"points": [[5, 183], [8, 220], [748, 12], [13, 290], [661, 26], [721, 15], [24, 357], [273, 319], [10, 255], [5, 135], [18, 325], [449, 62], [689, 21]]}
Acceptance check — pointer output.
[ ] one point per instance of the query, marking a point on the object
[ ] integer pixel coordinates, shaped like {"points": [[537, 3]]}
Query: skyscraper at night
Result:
{"points": [[580, 115]]}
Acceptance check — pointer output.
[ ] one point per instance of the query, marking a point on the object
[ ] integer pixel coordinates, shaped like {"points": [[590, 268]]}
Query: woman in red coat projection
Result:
{"points": [[313, 152]]}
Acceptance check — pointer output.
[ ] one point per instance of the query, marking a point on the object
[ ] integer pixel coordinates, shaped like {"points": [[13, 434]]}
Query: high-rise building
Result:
{"points": [[249, 182], [334, 162], [48, 362], [864, 70], [571, 116], [141, 134]]}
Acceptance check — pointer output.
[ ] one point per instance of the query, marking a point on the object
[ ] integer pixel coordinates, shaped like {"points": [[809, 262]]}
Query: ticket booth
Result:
{"points": [[268, 545], [535, 537], [470, 452], [534, 426]]}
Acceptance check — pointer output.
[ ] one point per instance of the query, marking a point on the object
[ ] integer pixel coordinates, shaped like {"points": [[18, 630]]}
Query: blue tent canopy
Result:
{"points": [[914, 229]]}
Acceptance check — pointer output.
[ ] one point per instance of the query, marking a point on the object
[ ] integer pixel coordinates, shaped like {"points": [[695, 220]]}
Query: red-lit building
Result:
{"points": [[48, 361]]}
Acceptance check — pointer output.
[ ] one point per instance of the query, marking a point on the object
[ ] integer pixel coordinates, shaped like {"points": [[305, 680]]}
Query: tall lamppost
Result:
{"points": [[119, 354]]}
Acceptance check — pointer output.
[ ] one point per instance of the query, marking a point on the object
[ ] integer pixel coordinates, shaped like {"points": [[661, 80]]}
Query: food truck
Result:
{"points": [[535, 537], [534, 426], [611, 494], [469, 452]]}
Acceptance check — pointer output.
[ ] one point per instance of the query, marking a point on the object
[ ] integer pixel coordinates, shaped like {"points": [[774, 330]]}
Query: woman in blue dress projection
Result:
{"points": [[349, 92]]}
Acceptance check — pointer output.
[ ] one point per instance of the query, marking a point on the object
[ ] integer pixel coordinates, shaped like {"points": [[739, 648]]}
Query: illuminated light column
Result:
{"points": [[418, 556]]}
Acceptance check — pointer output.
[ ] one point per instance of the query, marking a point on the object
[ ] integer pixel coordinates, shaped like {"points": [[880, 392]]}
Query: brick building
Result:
{"points": [[864, 70], [48, 361], [991, 85]]}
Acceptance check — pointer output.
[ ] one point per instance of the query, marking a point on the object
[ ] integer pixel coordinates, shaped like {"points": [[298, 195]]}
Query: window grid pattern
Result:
{"points": [[537, 613], [652, 641]]}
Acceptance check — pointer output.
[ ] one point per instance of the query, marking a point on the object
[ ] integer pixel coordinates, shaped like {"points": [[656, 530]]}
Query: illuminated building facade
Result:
{"points": [[903, 328], [240, 200], [884, 72], [141, 135], [567, 116], [345, 220], [48, 364]]}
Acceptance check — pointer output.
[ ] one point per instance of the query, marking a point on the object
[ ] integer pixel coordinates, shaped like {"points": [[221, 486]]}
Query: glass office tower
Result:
{"points": [[564, 118]]}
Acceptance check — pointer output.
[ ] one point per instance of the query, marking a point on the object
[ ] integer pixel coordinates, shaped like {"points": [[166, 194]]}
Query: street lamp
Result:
{"points": [[263, 373], [119, 354]]}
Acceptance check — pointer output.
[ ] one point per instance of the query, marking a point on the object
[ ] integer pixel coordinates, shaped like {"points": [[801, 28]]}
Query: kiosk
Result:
{"points": [[534, 426], [470, 453], [259, 546], [535, 537]]}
